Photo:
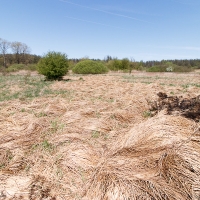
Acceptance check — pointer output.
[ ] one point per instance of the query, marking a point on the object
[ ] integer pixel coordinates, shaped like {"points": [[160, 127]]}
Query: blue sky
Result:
{"points": [[134, 29]]}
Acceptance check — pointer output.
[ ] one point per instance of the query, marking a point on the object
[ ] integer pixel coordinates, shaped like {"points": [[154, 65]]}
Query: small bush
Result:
{"points": [[18, 67], [125, 64], [54, 65], [157, 69], [15, 67], [114, 65], [89, 67], [31, 67], [182, 69]]}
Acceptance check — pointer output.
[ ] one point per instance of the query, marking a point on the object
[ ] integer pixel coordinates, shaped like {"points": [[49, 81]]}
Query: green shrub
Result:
{"points": [[31, 67], [15, 67], [114, 65], [89, 67], [54, 65], [182, 69], [71, 65], [125, 64], [157, 69]]}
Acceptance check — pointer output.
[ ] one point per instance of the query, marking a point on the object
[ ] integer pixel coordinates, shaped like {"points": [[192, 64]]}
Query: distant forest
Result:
{"points": [[33, 59], [19, 53], [19, 59], [187, 63]]}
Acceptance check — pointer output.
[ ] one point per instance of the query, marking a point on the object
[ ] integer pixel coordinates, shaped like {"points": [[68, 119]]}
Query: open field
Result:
{"points": [[92, 137]]}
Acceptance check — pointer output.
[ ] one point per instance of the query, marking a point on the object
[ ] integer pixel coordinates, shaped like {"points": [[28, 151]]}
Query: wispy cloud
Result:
{"points": [[94, 22], [130, 10], [110, 13], [192, 48]]}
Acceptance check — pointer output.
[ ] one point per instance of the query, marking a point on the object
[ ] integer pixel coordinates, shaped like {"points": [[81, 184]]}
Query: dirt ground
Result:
{"points": [[98, 140]]}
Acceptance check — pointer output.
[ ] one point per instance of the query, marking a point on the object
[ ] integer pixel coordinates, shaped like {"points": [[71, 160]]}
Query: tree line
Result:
{"points": [[20, 53], [186, 63], [193, 63]]}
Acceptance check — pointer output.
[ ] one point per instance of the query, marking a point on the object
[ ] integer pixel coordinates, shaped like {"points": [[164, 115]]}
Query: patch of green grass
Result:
{"points": [[40, 114], [146, 82], [23, 110], [2, 166], [171, 84], [45, 145], [55, 126], [81, 79], [106, 137], [113, 116], [95, 134], [185, 86], [111, 100], [27, 87], [147, 114]]}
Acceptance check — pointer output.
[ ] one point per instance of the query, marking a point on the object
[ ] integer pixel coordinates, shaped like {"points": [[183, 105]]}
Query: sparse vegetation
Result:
{"points": [[26, 87], [147, 114], [95, 134]]}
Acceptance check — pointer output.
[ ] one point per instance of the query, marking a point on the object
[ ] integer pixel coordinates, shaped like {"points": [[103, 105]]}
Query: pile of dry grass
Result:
{"points": [[159, 159]]}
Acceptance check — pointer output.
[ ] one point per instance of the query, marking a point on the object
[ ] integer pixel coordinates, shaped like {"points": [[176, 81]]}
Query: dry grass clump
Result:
{"points": [[159, 159]]}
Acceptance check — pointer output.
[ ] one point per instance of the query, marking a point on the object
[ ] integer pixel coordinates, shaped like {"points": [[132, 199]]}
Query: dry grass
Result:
{"points": [[93, 140]]}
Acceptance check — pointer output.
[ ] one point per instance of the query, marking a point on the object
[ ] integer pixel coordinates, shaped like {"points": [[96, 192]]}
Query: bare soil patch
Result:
{"points": [[94, 137]]}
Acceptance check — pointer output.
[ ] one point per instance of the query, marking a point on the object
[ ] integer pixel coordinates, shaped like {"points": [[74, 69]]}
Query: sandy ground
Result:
{"points": [[51, 146]]}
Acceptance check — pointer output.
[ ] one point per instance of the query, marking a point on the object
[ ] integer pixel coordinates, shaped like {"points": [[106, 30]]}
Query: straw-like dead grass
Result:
{"points": [[159, 159], [94, 142]]}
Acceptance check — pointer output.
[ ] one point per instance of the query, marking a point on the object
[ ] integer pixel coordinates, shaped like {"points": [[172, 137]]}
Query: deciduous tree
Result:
{"points": [[17, 50], [20, 50], [4, 46]]}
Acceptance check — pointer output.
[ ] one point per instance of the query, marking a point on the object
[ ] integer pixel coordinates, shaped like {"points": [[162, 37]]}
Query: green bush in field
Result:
{"points": [[182, 69], [15, 67], [125, 64], [157, 69], [54, 65], [31, 67], [89, 67], [114, 65]]}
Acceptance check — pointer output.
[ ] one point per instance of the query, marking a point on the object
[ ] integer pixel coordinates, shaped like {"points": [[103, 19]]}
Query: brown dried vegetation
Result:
{"points": [[95, 143]]}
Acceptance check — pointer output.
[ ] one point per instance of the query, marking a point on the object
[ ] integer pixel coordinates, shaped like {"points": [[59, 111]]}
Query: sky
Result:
{"points": [[135, 29]]}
